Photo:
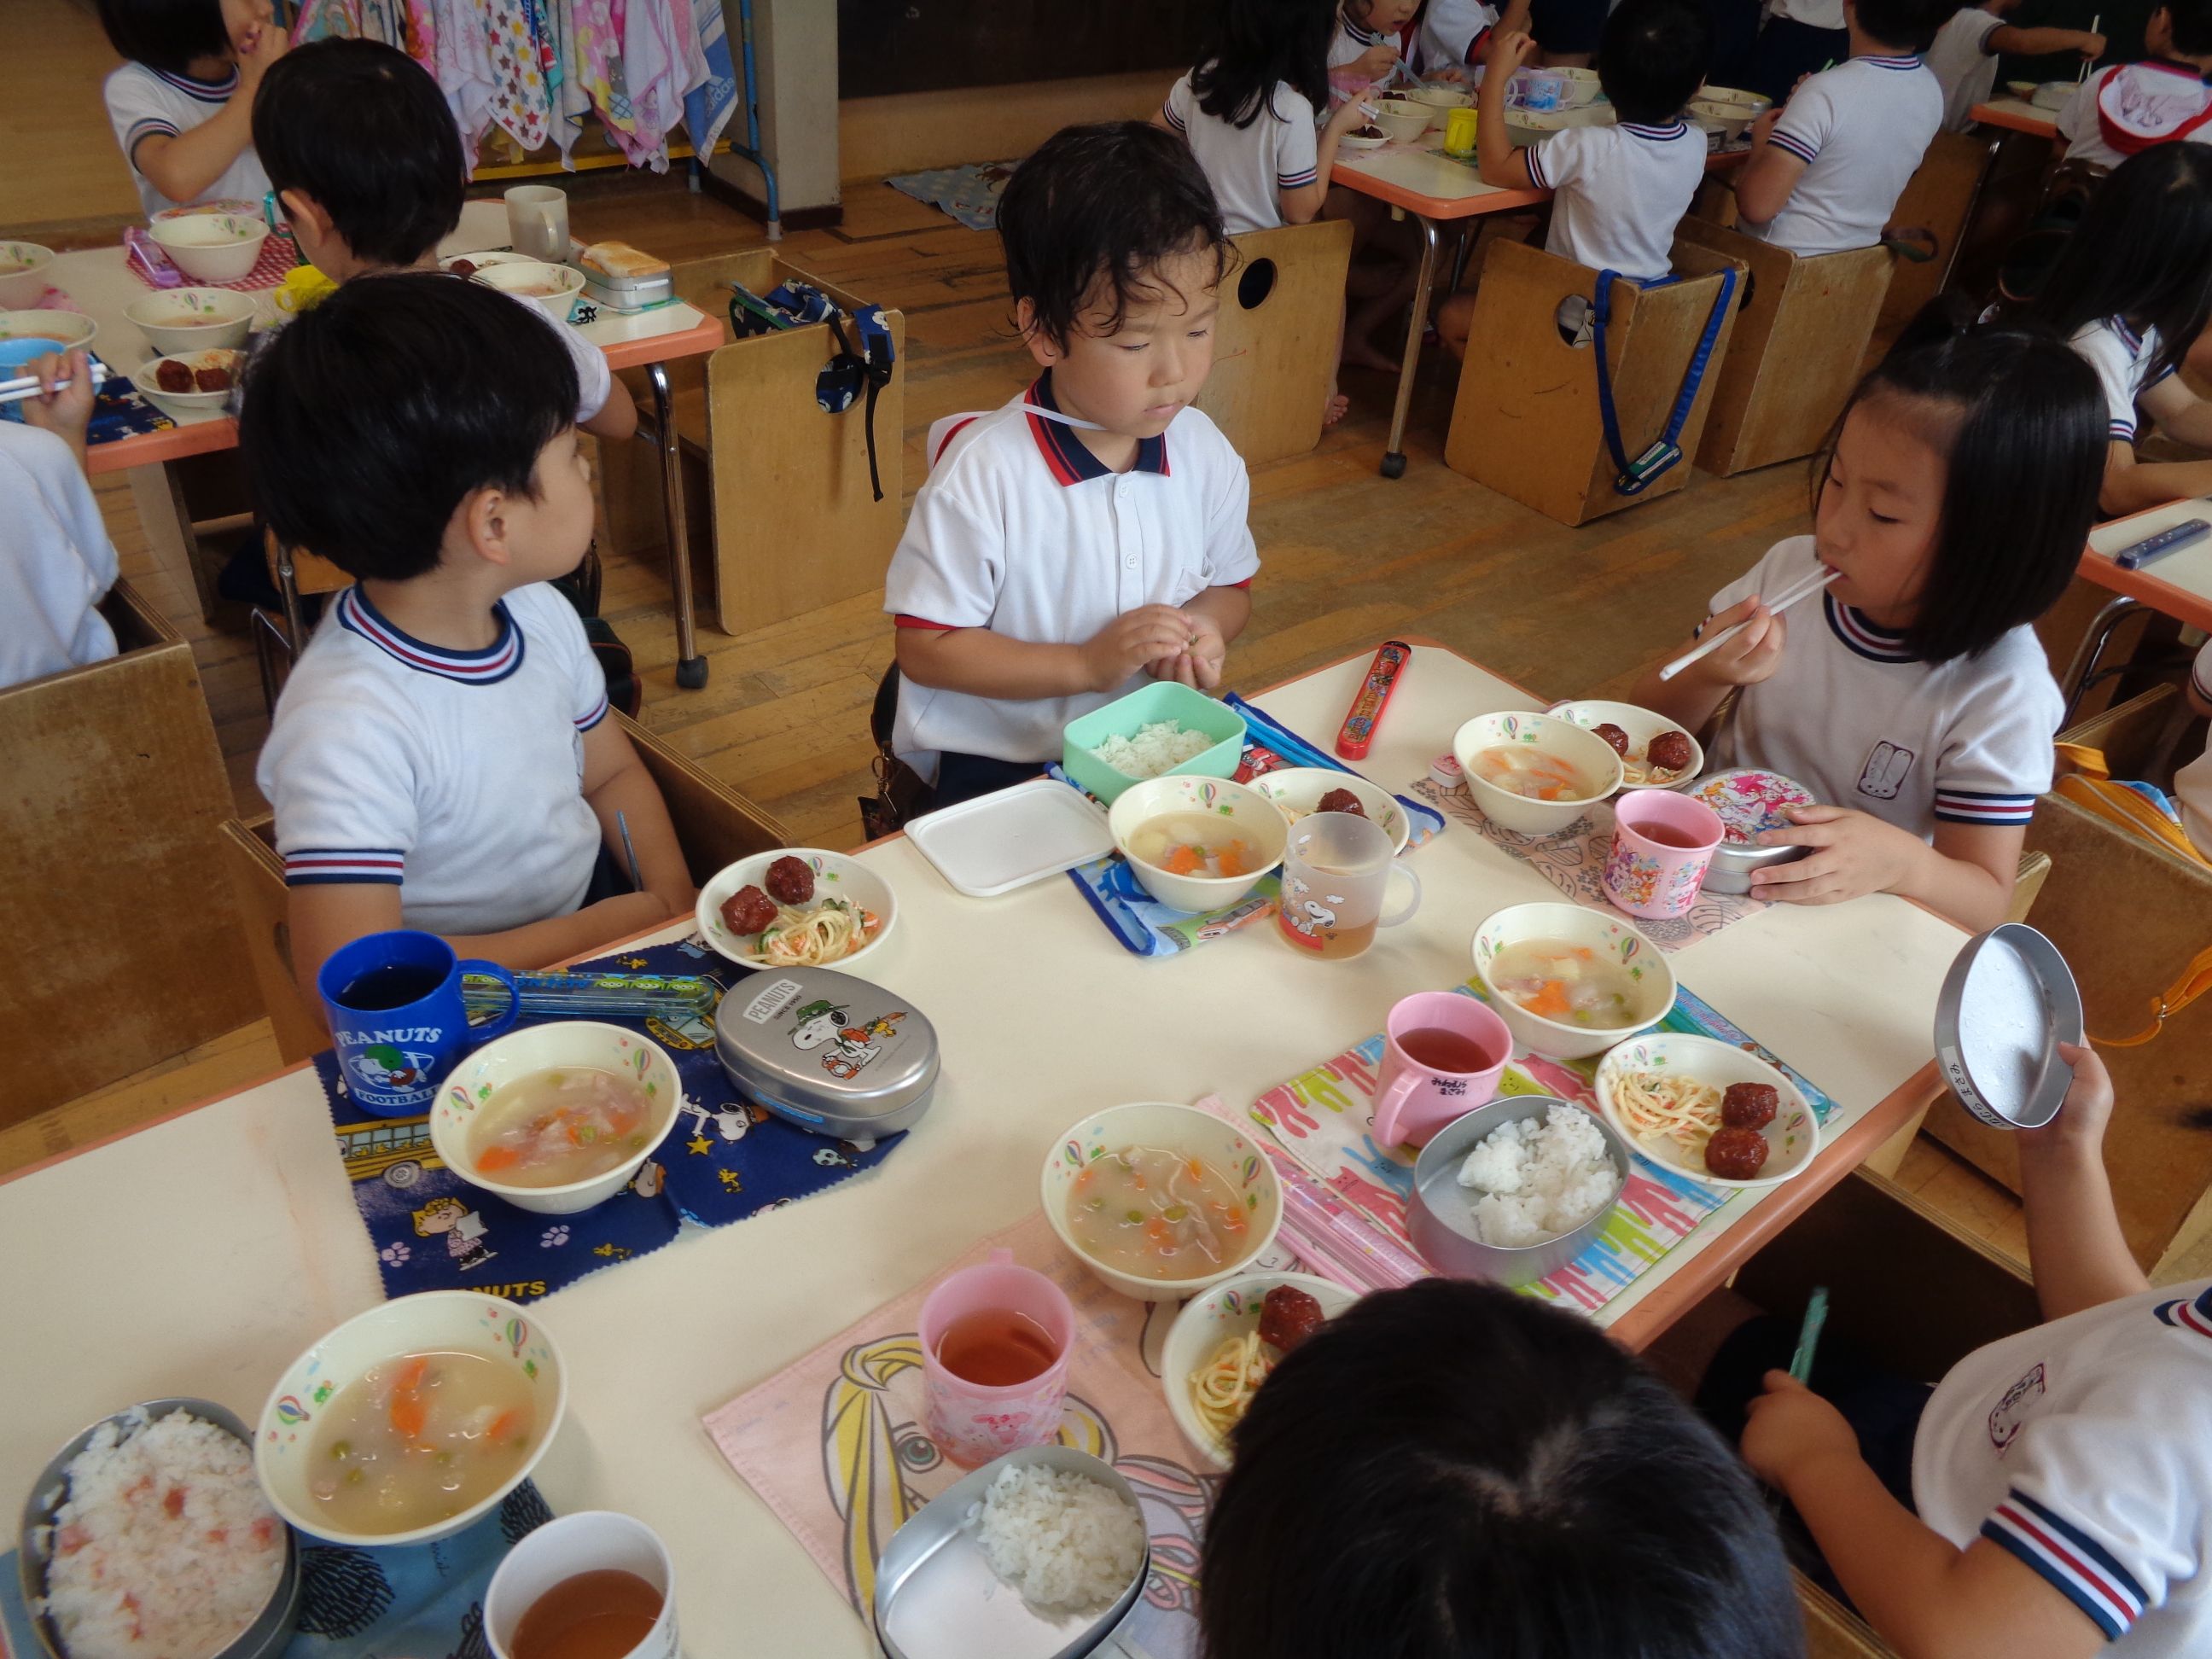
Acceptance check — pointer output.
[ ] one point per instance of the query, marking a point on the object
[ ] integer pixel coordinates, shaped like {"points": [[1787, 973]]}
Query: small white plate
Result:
{"points": [[1008, 839], [836, 875], [1211, 1318], [1793, 1136]]}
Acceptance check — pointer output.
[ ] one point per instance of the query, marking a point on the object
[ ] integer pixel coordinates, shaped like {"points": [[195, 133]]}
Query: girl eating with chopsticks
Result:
{"points": [[1913, 699]]}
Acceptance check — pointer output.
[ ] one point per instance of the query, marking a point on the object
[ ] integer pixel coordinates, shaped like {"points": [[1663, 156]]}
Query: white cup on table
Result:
{"points": [[589, 1541], [538, 222]]}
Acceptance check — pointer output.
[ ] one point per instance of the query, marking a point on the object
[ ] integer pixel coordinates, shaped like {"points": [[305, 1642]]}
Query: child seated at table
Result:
{"points": [[367, 164], [1825, 168], [2127, 108], [1453, 1469], [181, 103], [56, 560], [2053, 1492], [442, 757], [1364, 49], [1091, 531], [1965, 55], [1916, 703], [1455, 35]]}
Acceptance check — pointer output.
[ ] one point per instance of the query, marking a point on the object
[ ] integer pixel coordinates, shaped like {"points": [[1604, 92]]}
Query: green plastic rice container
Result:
{"points": [[1163, 700]]}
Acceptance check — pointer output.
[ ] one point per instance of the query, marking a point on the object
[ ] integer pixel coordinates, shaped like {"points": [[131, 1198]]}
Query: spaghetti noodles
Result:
{"points": [[1666, 1103], [808, 936], [1221, 1389]]}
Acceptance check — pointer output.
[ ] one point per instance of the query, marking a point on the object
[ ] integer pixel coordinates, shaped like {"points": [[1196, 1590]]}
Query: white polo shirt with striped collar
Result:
{"points": [[1618, 191], [1022, 530], [1249, 166], [2122, 359], [1861, 128], [456, 775], [143, 102]]}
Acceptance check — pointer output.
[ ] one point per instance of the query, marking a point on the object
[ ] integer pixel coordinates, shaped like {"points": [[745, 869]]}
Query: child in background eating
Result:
{"points": [[1453, 1470], [181, 105], [1915, 702], [1455, 34], [1091, 531], [1965, 55], [56, 563], [1364, 50], [2128, 108]]}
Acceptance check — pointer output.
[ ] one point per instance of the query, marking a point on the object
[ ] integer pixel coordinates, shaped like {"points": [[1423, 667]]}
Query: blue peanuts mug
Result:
{"points": [[397, 1019]]}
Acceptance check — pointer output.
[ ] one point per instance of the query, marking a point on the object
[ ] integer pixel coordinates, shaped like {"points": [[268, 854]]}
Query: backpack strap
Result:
{"points": [[1634, 477]]}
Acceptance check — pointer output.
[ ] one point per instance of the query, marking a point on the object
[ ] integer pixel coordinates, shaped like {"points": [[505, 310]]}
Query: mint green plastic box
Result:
{"points": [[1163, 700]]}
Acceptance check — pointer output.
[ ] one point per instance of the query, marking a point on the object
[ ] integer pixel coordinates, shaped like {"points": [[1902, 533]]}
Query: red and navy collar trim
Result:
{"points": [[1644, 130], [1071, 462], [1862, 637], [1906, 61], [1365, 37], [2185, 1316], [2126, 335], [208, 91], [486, 667]]}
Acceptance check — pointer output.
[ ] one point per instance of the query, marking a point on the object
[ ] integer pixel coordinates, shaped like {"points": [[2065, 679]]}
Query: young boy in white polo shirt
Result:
{"points": [[440, 758], [1965, 55], [1092, 532], [2125, 109], [1826, 168]]}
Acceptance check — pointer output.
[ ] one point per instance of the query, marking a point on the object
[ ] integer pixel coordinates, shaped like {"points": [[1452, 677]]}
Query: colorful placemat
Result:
{"points": [[417, 1602], [1574, 862], [1322, 1118], [970, 193], [151, 265], [725, 1160]]}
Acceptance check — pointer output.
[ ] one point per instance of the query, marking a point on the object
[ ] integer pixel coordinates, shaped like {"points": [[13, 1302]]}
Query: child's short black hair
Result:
{"points": [[1254, 45], [369, 418], [1103, 204], [2143, 251], [1908, 25], [1510, 1483], [1656, 55], [166, 34], [361, 128], [2190, 21], [2024, 421]]}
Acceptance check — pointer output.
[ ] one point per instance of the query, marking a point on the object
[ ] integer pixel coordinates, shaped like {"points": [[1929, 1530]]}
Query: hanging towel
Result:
{"points": [[596, 66], [464, 68], [518, 99], [653, 67], [709, 106]]}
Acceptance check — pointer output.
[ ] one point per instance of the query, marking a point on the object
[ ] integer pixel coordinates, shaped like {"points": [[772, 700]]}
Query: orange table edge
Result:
{"points": [[1992, 117], [2180, 603]]}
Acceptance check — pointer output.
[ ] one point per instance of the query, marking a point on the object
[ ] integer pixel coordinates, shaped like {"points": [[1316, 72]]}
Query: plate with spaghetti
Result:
{"points": [[1695, 1106], [797, 907], [1214, 1359]]}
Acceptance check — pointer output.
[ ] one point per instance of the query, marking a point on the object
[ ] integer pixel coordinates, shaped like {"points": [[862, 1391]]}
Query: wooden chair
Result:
{"points": [[1527, 421], [715, 825], [1275, 339], [298, 574], [1940, 199]]}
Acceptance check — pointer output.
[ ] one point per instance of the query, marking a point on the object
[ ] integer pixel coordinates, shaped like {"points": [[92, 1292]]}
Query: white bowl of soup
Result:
{"points": [[556, 1118], [552, 288], [23, 267], [1161, 1201], [1570, 983], [411, 1420], [187, 319], [212, 247], [1198, 844], [1535, 774]]}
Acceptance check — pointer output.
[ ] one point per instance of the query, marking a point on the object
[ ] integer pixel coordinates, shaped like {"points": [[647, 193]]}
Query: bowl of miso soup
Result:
{"points": [[411, 1420], [558, 1117], [1159, 1200]]}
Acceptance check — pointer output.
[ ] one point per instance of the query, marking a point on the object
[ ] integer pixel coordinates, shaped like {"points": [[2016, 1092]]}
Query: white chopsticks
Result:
{"points": [[2082, 74], [27, 385], [1804, 588]]}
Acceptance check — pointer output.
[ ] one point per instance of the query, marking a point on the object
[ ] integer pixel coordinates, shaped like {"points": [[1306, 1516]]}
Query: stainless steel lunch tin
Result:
{"points": [[832, 1054], [2007, 1002], [1440, 1219]]}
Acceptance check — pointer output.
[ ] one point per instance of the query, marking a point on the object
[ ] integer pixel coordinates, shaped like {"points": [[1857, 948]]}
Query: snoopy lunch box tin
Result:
{"points": [[832, 1054]]}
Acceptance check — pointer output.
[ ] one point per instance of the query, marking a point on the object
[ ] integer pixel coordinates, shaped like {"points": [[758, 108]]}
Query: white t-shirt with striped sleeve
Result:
{"points": [[1863, 723], [1249, 166], [1619, 192], [143, 101], [456, 774], [1861, 128], [1453, 34], [1965, 63], [2084, 1447], [2121, 357]]}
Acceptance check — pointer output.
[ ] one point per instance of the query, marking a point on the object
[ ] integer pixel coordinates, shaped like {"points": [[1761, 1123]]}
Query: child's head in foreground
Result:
{"points": [[1907, 25], [363, 154], [174, 35], [416, 424], [1655, 57], [1454, 1471], [1962, 483], [2143, 252], [1114, 257]]}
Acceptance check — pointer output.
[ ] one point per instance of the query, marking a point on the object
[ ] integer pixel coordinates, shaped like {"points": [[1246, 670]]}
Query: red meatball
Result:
{"points": [[171, 376], [1749, 1105], [463, 268], [1736, 1154], [1613, 735], [1670, 751], [791, 881], [748, 910], [1341, 801], [211, 379], [1288, 1317]]}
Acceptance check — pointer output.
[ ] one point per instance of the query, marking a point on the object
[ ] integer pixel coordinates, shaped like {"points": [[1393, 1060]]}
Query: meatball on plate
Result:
{"points": [[796, 907], [1297, 791], [1655, 752]]}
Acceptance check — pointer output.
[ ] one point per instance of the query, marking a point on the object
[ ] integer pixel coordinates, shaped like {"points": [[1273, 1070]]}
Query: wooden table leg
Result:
{"points": [[1393, 458], [690, 665]]}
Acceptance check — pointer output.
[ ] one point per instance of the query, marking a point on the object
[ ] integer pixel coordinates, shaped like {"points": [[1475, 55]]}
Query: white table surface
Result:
{"points": [[198, 1256], [2188, 570], [1417, 168]]}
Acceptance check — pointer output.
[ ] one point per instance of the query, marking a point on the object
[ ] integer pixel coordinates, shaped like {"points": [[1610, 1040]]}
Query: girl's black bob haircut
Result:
{"points": [[1253, 46], [165, 35], [1101, 208], [2143, 251], [2022, 424], [1511, 1484]]}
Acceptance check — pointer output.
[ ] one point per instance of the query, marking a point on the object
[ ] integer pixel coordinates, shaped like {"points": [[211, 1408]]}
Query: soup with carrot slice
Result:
{"points": [[566, 1124], [1194, 844], [418, 1439], [1155, 1215], [1525, 770], [1573, 984]]}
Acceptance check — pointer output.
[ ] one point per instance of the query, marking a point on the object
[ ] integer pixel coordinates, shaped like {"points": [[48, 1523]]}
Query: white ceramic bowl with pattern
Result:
{"points": [[1599, 930], [1793, 1136], [1297, 791], [836, 875], [24, 271], [1591, 758], [1253, 816], [1641, 725], [182, 320], [212, 247], [1211, 1318]]}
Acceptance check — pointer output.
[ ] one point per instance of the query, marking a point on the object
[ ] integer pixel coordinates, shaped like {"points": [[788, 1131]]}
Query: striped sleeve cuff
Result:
{"points": [[2162, 375], [1174, 120], [1534, 157], [1983, 806], [1294, 180], [320, 865], [143, 129], [2070, 1560], [1794, 145], [586, 722], [2123, 430]]}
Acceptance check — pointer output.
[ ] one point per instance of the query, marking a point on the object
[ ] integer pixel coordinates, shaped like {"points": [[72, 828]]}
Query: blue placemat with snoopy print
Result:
{"points": [[725, 1159]]}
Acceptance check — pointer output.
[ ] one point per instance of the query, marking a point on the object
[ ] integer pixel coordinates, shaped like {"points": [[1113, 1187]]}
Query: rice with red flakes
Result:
{"points": [[166, 1549]]}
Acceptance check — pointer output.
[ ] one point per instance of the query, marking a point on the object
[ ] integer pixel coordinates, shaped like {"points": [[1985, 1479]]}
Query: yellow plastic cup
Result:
{"points": [[1459, 132]]}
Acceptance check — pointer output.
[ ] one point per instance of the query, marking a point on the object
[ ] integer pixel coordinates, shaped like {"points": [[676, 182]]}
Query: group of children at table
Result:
{"points": [[441, 759]]}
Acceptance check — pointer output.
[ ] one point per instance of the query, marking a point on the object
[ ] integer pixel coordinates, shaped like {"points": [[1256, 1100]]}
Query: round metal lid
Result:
{"points": [[2007, 1002], [827, 1043]]}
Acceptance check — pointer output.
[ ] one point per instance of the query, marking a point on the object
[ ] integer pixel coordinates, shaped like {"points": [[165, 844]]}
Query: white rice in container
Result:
{"points": [[1157, 748], [165, 1548], [1068, 1544], [1539, 1178]]}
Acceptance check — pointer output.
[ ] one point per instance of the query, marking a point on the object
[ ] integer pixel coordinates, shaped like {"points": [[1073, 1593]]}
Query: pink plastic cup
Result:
{"points": [[974, 1422], [1662, 845], [1418, 1097]]}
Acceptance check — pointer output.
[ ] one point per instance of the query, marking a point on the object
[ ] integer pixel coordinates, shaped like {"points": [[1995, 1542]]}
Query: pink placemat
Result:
{"points": [[834, 1442], [54, 299], [1574, 860]]}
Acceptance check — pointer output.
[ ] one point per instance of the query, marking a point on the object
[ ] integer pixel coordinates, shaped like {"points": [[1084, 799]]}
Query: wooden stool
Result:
{"points": [[1941, 198], [1275, 339], [1799, 341], [1527, 422]]}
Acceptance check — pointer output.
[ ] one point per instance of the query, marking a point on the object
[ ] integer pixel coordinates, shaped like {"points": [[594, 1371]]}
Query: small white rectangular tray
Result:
{"points": [[1011, 837]]}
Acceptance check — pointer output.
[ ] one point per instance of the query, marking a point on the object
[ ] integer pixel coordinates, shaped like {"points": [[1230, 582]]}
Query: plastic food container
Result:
{"points": [[834, 1054], [1163, 700], [1749, 801]]}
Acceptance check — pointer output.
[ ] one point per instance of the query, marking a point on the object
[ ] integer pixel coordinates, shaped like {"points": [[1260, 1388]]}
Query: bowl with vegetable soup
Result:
{"points": [[1571, 983]]}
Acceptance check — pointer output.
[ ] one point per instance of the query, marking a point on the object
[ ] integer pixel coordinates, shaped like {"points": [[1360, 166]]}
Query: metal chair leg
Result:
{"points": [[690, 665], [1393, 458], [2090, 654]]}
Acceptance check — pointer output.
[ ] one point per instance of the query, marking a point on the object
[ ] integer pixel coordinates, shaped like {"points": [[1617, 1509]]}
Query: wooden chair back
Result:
{"points": [[1275, 339], [1940, 198]]}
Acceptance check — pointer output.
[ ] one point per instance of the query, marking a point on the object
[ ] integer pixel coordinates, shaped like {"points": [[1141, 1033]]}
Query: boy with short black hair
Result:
{"points": [[441, 757], [1965, 55], [1826, 168], [2126, 109], [363, 154], [1069, 543]]}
